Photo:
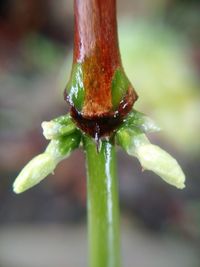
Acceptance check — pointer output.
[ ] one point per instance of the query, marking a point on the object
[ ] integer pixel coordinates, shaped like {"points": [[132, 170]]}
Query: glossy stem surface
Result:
{"points": [[103, 206], [96, 49], [95, 32]]}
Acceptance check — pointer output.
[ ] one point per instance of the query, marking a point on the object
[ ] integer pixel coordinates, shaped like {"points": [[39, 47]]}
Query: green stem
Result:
{"points": [[103, 206]]}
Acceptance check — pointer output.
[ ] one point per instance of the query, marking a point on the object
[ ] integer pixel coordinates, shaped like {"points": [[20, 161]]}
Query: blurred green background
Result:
{"points": [[160, 48]]}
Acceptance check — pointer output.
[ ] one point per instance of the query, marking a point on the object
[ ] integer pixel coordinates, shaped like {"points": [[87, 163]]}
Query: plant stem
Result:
{"points": [[98, 91], [96, 48], [103, 206]]}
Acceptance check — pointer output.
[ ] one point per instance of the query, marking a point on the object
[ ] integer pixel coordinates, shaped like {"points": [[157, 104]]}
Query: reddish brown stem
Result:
{"points": [[99, 92], [96, 27], [96, 46]]}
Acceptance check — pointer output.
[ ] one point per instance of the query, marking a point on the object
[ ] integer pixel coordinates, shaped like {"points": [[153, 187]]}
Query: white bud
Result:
{"points": [[151, 157], [148, 125], [159, 161], [50, 129], [34, 172], [44, 164]]}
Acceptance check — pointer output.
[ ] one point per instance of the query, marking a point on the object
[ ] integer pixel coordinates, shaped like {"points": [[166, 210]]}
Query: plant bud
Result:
{"points": [[34, 172], [44, 164], [155, 159], [141, 121], [151, 157], [58, 127]]}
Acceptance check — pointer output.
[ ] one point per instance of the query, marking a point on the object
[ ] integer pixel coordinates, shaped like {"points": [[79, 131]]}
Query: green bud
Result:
{"points": [[130, 139], [62, 147], [63, 119], [141, 121], [44, 164], [58, 127], [150, 156]]}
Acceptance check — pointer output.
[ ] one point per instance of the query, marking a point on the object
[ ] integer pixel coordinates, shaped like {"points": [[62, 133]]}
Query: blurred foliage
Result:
{"points": [[157, 60], [28, 74], [41, 52]]}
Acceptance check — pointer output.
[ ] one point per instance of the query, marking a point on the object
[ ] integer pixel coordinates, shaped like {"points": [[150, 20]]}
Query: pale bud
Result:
{"points": [[34, 172], [151, 157], [44, 164], [155, 159]]}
